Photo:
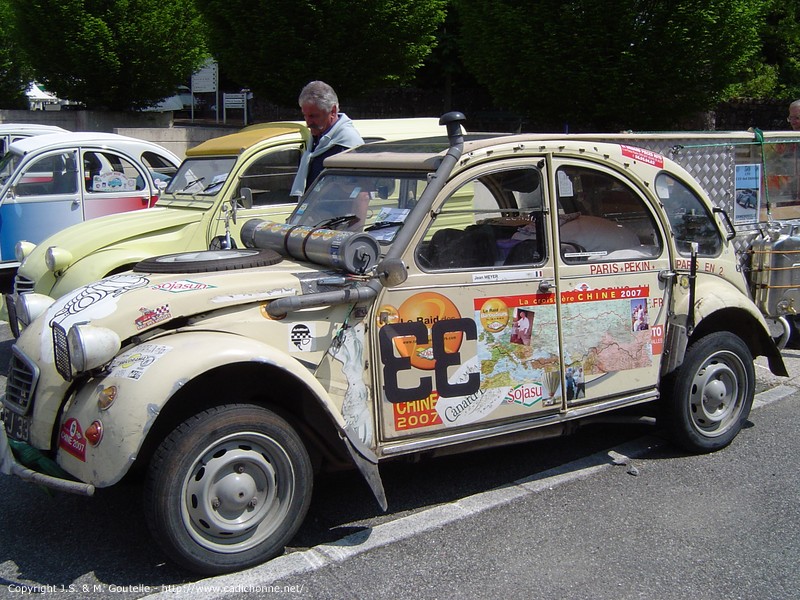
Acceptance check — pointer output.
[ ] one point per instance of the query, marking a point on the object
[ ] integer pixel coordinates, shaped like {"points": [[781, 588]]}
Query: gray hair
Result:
{"points": [[320, 94], [795, 104]]}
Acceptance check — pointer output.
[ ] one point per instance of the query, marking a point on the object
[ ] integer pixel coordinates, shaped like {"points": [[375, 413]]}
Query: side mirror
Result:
{"points": [[246, 197], [392, 272]]}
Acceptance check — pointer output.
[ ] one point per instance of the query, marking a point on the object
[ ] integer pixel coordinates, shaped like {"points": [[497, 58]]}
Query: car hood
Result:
{"points": [[132, 303], [83, 239]]}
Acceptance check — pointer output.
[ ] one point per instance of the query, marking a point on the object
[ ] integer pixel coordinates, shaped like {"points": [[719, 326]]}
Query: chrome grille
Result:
{"points": [[23, 284], [21, 383]]}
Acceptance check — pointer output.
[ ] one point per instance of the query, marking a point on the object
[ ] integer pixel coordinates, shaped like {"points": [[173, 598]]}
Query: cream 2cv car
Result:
{"points": [[417, 300], [202, 205]]}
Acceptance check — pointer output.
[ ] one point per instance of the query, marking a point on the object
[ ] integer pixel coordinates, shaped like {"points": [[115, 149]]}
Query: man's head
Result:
{"points": [[320, 106], [794, 115]]}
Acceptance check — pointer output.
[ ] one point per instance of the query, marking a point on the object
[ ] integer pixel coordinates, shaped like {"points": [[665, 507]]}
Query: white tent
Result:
{"points": [[38, 98]]}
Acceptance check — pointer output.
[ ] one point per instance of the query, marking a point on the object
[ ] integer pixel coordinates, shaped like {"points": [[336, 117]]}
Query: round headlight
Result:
{"points": [[31, 305], [57, 259], [23, 249], [91, 347]]}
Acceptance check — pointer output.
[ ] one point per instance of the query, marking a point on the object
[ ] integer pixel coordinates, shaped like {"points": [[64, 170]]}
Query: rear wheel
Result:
{"points": [[708, 399], [228, 488]]}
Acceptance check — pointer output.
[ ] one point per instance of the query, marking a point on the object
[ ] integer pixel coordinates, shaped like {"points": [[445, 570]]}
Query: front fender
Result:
{"points": [[142, 381], [715, 299], [713, 294]]}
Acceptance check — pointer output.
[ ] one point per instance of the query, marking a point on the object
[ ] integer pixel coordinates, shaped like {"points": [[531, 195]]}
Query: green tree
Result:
{"points": [[14, 75], [274, 47], [597, 65], [111, 54], [782, 49]]}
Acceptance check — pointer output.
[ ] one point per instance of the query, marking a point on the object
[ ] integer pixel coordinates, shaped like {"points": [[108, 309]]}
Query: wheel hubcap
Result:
{"points": [[717, 394], [237, 492]]}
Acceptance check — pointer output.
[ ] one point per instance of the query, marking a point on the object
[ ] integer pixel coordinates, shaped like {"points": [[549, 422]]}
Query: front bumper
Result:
{"points": [[9, 465]]}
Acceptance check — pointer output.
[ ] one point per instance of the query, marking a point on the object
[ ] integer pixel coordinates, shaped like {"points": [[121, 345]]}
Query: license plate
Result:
{"points": [[17, 426]]}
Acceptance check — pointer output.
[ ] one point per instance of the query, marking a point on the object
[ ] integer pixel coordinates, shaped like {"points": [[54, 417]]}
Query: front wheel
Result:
{"points": [[708, 399], [228, 488]]}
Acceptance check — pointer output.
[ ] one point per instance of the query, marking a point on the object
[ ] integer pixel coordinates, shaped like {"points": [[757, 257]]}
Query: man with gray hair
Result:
{"points": [[794, 115], [332, 131]]}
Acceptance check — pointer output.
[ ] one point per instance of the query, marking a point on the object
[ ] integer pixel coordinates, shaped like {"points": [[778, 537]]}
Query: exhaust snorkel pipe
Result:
{"points": [[388, 269]]}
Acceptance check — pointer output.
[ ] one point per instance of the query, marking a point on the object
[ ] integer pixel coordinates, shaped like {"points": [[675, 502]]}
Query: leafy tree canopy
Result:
{"points": [[111, 54], [598, 65], [781, 54], [14, 76], [275, 47]]}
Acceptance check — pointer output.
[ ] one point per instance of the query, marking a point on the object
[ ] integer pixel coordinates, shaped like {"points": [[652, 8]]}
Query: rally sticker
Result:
{"points": [[133, 363], [184, 285], [645, 156], [72, 440], [151, 316], [301, 337]]}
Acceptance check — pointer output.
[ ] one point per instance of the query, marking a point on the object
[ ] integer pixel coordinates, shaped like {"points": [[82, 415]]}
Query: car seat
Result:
{"points": [[456, 249]]}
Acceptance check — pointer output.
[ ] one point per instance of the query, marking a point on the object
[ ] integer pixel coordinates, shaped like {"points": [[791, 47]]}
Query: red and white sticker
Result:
{"points": [[72, 440], [645, 156]]}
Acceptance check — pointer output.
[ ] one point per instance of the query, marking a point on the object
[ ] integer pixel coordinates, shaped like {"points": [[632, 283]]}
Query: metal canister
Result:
{"points": [[346, 250]]}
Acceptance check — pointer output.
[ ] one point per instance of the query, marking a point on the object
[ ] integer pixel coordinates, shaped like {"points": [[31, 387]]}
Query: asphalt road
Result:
{"points": [[611, 512]]}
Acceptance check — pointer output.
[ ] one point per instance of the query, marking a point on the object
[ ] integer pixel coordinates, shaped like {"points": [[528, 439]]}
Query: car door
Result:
{"points": [[471, 338], [269, 177], [43, 197], [612, 305], [112, 183]]}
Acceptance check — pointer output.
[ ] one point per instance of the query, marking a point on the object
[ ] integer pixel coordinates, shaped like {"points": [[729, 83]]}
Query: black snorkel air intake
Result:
{"points": [[391, 270]]}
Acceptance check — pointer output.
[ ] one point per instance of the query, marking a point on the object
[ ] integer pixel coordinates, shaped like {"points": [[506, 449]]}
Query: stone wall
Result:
{"points": [[160, 128]]}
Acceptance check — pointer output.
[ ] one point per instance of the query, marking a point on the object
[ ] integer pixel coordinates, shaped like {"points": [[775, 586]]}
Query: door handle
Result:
{"points": [[545, 286]]}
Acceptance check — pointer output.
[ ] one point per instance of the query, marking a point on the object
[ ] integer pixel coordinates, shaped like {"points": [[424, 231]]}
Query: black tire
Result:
{"points": [[227, 489], [708, 398], [207, 261], [793, 343]]}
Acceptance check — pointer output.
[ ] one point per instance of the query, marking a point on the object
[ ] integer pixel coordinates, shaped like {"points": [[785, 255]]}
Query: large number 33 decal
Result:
{"points": [[392, 365]]}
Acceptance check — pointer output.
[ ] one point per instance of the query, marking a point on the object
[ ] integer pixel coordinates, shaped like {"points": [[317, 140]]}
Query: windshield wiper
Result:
{"points": [[383, 225], [212, 185], [332, 222], [191, 183]]}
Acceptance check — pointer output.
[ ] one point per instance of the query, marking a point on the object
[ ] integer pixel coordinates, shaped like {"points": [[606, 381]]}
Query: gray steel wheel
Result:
{"points": [[711, 393], [228, 488]]}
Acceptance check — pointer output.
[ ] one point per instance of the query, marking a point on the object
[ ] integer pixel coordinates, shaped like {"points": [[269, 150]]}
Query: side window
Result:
{"points": [[49, 175], [602, 218], [689, 218], [109, 172], [494, 220], [160, 168], [271, 177]]}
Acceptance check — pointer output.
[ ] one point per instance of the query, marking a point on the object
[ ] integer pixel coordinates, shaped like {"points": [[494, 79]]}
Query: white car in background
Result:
{"points": [[11, 132], [52, 181]]}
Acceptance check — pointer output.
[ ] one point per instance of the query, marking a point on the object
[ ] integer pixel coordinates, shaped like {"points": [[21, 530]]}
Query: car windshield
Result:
{"points": [[377, 204], [201, 176]]}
